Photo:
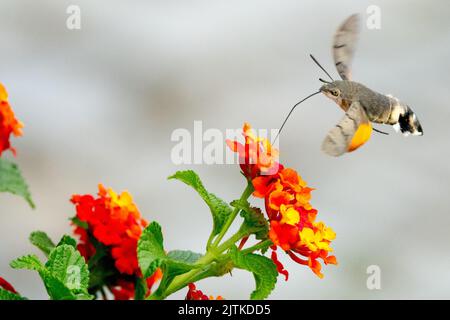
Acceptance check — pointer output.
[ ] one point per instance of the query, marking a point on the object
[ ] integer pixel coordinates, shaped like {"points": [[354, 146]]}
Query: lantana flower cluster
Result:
{"points": [[111, 231], [293, 225], [115, 221]]}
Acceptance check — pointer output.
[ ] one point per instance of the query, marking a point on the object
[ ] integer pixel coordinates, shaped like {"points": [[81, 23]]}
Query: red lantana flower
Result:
{"points": [[123, 290], [115, 221], [195, 294], [293, 225], [7, 286], [8, 123]]}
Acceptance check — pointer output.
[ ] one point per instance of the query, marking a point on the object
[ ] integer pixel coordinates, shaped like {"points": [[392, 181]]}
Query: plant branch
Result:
{"points": [[247, 193], [260, 245], [214, 262]]}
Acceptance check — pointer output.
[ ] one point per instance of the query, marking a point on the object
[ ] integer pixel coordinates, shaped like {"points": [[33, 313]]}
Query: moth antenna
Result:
{"points": [[324, 81], [320, 66], [290, 112]]}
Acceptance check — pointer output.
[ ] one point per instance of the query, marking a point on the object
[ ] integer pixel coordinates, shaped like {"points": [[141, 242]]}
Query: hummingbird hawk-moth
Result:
{"points": [[362, 105]]}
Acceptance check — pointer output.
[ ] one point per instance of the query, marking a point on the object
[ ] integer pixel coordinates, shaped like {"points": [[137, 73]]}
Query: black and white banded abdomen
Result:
{"points": [[386, 109], [402, 118]]}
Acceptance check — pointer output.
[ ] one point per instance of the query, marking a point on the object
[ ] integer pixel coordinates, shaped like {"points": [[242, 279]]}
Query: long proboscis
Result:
{"points": [[290, 112]]}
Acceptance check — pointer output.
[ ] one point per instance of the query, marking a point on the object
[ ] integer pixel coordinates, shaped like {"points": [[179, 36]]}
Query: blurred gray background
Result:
{"points": [[100, 104]]}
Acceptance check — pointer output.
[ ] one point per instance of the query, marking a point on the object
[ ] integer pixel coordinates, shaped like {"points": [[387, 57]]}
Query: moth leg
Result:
{"points": [[379, 131]]}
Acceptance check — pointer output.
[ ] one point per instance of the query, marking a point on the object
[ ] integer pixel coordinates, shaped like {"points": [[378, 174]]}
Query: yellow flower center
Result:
{"points": [[318, 240], [289, 215]]}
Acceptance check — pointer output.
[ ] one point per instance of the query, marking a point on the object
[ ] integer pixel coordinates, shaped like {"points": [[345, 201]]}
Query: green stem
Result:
{"points": [[196, 274], [210, 240], [233, 239], [183, 280], [261, 245], [247, 193], [213, 252]]}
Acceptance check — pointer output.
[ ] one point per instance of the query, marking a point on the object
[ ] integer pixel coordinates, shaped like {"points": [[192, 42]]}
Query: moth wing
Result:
{"points": [[344, 45], [350, 133]]}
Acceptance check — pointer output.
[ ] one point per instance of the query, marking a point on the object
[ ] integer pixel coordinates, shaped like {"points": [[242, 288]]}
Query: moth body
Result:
{"points": [[379, 108], [362, 106]]}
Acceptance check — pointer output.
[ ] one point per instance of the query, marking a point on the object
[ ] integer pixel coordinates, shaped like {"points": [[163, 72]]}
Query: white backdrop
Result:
{"points": [[100, 104]]}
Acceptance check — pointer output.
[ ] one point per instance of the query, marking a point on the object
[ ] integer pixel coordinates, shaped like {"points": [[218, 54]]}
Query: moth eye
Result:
{"points": [[335, 93]]}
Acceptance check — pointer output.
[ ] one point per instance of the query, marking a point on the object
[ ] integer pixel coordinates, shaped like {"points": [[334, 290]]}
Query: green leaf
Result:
{"points": [[42, 241], [150, 249], [11, 181], [84, 296], [30, 262], [8, 295], [67, 240], [263, 269], [185, 256], [58, 290], [172, 268], [141, 289], [65, 275], [254, 220], [220, 210], [82, 224], [55, 287], [151, 255], [67, 265]]}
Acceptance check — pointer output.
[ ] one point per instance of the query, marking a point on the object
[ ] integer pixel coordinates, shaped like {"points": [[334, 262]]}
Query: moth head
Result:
{"points": [[331, 90]]}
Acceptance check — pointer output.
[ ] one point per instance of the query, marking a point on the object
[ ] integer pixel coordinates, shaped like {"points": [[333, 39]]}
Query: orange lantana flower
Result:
{"points": [[115, 221], [293, 225], [8, 122], [256, 155]]}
